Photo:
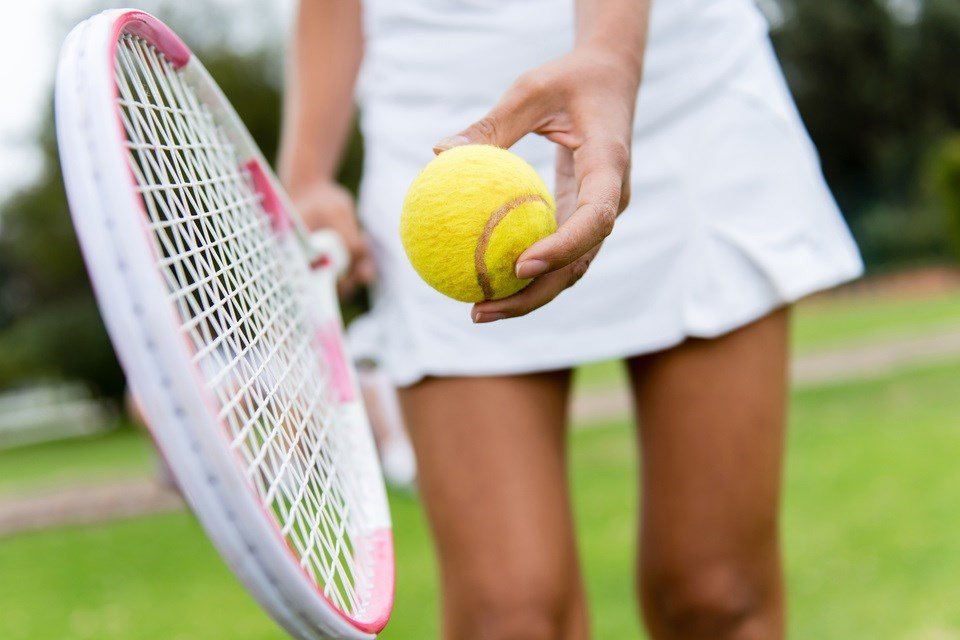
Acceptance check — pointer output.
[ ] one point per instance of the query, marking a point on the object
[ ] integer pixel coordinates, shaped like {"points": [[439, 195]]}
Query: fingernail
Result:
{"points": [[481, 318], [450, 142], [531, 269]]}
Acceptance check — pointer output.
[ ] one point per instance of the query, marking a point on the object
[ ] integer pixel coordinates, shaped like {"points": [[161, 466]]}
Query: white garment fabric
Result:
{"points": [[729, 218]]}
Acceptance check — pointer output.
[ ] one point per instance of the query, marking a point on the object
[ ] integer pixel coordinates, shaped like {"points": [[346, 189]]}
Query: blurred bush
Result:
{"points": [[62, 339], [871, 79], [875, 83], [944, 185], [895, 237], [49, 323]]}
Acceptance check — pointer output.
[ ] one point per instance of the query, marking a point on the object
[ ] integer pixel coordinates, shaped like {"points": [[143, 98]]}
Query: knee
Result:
{"points": [[723, 601], [516, 614]]}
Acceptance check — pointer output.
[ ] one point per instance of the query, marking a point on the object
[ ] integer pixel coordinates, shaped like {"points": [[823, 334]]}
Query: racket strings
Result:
{"points": [[236, 290]]}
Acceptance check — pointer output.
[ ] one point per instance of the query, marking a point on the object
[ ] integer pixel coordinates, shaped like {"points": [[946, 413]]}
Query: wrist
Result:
{"points": [[615, 30], [312, 186], [627, 58], [300, 168]]}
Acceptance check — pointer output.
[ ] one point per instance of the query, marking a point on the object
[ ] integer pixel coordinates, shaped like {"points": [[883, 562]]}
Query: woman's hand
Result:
{"points": [[328, 205], [583, 101], [318, 107]]}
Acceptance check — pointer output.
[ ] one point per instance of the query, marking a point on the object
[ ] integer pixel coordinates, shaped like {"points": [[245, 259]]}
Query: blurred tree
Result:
{"points": [[49, 324], [943, 182], [838, 58], [871, 80], [935, 88]]}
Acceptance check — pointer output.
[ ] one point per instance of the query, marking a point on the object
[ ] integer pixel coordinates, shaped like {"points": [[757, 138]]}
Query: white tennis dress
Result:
{"points": [[729, 218]]}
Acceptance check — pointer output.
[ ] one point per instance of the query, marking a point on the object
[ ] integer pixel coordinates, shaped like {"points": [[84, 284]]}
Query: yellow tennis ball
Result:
{"points": [[467, 218]]}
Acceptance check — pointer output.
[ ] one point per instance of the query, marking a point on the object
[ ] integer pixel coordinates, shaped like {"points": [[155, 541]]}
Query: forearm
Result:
{"points": [[584, 101], [616, 26], [318, 97]]}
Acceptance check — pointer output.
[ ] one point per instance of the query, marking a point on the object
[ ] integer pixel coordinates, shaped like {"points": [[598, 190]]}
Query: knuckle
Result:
{"points": [[610, 152], [523, 310], [487, 127], [568, 242], [351, 237], [605, 215], [578, 269], [359, 248], [625, 195], [531, 299], [513, 310], [619, 153], [530, 85], [535, 304]]}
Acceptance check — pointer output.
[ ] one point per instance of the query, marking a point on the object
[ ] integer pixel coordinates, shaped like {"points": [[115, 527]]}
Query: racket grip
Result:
{"points": [[328, 250]]}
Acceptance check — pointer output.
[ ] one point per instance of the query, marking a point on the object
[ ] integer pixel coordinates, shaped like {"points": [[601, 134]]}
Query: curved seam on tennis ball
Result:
{"points": [[483, 277]]}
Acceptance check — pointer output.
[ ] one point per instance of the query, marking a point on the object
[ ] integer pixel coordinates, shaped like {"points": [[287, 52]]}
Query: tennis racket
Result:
{"points": [[223, 313]]}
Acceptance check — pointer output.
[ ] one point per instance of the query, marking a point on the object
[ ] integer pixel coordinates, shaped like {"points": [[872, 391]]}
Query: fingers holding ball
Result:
{"points": [[467, 218]]}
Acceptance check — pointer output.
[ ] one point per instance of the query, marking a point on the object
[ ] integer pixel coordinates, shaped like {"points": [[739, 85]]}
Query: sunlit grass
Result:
{"points": [[870, 520], [830, 323], [825, 323], [116, 454]]}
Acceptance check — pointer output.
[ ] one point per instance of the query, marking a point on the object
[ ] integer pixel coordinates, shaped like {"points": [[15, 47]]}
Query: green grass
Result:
{"points": [[822, 324], [871, 518], [871, 521], [600, 375], [818, 325], [120, 453], [159, 578]]}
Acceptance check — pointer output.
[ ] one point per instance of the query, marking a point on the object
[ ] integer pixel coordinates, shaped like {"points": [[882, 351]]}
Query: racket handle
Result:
{"points": [[327, 248]]}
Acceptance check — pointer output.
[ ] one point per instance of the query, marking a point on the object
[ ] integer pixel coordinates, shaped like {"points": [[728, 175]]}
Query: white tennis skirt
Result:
{"points": [[729, 218]]}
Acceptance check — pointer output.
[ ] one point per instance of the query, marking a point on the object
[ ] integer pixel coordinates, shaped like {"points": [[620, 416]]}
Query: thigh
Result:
{"points": [[712, 416], [491, 463]]}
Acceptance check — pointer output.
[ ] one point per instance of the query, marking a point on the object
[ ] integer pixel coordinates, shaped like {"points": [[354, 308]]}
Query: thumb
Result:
{"points": [[519, 111]]}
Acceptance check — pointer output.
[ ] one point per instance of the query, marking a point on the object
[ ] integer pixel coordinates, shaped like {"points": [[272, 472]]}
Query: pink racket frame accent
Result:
{"points": [[268, 195], [329, 341], [378, 543]]}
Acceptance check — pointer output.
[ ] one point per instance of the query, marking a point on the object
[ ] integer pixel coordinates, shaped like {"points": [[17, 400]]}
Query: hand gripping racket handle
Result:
{"points": [[327, 250]]}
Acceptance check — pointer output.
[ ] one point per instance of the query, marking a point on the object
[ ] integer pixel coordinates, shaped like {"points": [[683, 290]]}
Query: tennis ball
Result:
{"points": [[467, 218]]}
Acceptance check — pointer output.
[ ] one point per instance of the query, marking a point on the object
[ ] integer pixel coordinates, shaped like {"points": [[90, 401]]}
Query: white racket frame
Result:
{"points": [[144, 327]]}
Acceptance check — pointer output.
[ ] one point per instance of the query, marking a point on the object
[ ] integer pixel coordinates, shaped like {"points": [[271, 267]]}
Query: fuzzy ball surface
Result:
{"points": [[467, 218]]}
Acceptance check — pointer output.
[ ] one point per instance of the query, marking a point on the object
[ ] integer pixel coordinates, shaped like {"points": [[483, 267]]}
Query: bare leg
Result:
{"points": [[492, 475], [712, 415]]}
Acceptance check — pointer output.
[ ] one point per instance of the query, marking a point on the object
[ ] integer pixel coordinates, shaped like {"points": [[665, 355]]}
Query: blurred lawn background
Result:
{"points": [[870, 519], [871, 516]]}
